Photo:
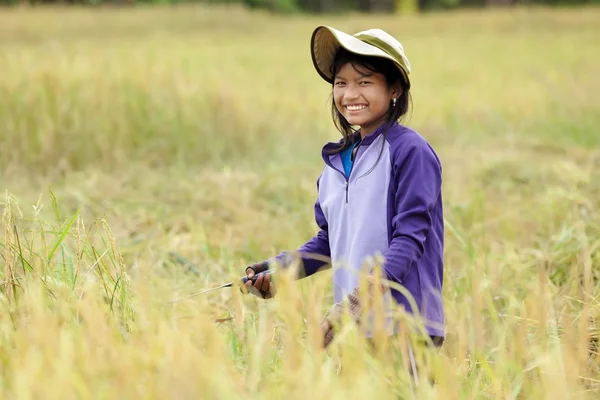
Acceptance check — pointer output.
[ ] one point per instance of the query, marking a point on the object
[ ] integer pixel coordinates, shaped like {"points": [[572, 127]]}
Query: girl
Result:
{"points": [[380, 189]]}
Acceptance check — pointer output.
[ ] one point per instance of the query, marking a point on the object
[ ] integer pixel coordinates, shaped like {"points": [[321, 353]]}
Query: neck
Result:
{"points": [[366, 131]]}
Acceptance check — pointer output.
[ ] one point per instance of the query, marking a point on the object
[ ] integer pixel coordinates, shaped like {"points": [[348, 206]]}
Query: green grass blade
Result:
{"points": [[62, 235]]}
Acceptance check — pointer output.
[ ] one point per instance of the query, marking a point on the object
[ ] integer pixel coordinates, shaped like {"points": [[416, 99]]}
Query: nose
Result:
{"points": [[351, 92]]}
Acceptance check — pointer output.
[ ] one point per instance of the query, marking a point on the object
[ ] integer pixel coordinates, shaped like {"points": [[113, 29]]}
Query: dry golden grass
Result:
{"points": [[197, 131]]}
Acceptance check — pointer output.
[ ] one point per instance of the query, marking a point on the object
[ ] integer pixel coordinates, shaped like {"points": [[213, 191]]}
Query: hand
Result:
{"points": [[334, 314], [263, 287]]}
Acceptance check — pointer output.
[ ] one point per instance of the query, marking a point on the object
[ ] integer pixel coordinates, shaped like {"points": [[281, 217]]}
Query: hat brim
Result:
{"points": [[325, 43]]}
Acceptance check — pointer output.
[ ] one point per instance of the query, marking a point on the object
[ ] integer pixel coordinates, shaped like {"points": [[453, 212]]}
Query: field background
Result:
{"points": [[130, 134]]}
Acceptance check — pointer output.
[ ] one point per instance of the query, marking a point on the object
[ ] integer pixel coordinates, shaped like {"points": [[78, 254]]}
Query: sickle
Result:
{"points": [[243, 280]]}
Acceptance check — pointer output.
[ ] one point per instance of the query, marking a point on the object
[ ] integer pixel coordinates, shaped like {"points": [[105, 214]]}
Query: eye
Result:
{"points": [[364, 82], [339, 83]]}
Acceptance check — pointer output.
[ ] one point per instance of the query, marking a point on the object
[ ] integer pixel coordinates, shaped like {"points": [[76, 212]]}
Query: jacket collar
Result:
{"points": [[365, 142]]}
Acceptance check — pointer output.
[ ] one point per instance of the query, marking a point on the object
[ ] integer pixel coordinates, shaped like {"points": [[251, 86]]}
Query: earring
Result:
{"points": [[394, 102]]}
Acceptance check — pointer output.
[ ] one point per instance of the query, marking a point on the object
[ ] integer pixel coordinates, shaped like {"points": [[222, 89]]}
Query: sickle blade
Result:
{"points": [[201, 292]]}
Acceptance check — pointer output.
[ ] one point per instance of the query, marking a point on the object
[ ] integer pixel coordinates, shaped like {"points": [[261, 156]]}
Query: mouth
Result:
{"points": [[355, 107]]}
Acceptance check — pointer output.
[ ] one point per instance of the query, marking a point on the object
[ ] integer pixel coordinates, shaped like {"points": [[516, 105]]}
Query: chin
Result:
{"points": [[356, 121]]}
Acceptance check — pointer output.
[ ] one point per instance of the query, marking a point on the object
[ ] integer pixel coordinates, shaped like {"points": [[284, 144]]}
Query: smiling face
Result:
{"points": [[362, 97]]}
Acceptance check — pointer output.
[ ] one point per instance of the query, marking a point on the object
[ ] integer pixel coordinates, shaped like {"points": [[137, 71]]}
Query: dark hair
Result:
{"points": [[392, 76]]}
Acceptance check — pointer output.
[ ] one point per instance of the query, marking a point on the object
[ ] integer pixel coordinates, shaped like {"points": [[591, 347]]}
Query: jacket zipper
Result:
{"points": [[347, 189], [347, 178], [353, 158]]}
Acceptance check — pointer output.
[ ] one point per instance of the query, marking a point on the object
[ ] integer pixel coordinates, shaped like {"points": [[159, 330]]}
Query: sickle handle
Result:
{"points": [[245, 278]]}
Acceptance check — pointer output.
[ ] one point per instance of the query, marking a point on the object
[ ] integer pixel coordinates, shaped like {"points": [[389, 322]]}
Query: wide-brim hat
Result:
{"points": [[326, 41]]}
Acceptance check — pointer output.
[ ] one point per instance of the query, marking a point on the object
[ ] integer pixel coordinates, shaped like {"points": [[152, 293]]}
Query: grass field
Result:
{"points": [[131, 134]]}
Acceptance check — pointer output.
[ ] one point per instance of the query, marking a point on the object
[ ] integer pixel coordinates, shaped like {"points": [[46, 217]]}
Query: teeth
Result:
{"points": [[356, 108]]}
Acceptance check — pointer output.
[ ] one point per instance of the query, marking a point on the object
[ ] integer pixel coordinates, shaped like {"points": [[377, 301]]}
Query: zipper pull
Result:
{"points": [[346, 192]]}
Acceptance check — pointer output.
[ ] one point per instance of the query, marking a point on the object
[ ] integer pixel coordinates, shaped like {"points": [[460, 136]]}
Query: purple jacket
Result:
{"points": [[391, 206]]}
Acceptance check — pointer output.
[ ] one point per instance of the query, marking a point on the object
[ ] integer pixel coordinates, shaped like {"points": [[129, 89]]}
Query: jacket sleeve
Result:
{"points": [[315, 253], [417, 180]]}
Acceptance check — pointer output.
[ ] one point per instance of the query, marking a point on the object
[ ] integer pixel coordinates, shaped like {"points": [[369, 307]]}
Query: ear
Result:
{"points": [[396, 91]]}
